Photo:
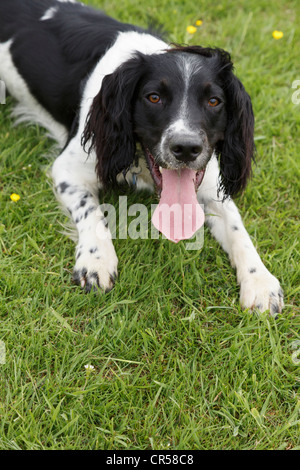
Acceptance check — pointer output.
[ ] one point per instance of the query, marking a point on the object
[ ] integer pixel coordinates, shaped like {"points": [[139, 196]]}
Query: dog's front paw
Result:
{"points": [[261, 291], [96, 267]]}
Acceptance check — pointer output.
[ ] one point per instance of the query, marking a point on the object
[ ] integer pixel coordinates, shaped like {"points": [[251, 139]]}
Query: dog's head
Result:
{"points": [[181, 105]]}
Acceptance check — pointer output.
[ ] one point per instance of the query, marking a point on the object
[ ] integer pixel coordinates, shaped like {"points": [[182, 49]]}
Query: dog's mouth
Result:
{"points": [[178, 215], [157, 173]]}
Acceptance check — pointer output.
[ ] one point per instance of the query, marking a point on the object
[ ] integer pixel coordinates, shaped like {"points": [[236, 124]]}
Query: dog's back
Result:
{"points": [[54, 57]]}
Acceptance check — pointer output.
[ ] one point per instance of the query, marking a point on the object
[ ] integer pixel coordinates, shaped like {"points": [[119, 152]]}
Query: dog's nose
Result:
{"points": [[186, 150]]}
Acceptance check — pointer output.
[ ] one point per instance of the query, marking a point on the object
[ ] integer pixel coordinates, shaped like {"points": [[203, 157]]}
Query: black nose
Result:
{"points": [[185, 150]]}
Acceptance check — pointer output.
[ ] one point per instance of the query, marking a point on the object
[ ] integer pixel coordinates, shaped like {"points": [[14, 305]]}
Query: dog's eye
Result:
{"points": [[213, 102], [154, 98]]}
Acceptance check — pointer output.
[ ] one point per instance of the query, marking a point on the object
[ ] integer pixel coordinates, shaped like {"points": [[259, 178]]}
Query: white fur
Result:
{"points": [[182, 121], [49, 14]]}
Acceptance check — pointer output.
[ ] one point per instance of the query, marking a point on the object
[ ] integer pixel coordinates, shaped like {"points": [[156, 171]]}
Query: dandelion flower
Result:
{"points": [[14, 197], [199, 22], [191, 29], [277, 34]]}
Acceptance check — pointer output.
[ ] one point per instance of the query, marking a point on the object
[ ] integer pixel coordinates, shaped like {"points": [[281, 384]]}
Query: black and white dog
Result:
{"points": [[102, 87]]}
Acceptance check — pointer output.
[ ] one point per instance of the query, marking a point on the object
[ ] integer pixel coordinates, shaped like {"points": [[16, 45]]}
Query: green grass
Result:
{"points": [[178, 364]]}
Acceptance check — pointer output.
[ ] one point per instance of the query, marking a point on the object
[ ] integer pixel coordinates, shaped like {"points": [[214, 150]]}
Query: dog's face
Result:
{"points": [[181, 105], [179, 114]]}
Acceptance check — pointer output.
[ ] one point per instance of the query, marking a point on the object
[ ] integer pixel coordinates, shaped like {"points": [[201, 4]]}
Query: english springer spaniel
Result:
{"points": [[103, 88]]}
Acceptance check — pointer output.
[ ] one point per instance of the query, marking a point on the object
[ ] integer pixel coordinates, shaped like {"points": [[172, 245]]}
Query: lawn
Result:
{"points": [[176, 363]]}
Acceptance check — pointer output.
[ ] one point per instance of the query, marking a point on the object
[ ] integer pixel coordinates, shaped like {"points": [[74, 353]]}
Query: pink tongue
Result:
{"points": [[178, 215]]}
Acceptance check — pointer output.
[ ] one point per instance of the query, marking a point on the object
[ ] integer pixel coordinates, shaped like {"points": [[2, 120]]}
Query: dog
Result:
{"points": [[104, 89]]}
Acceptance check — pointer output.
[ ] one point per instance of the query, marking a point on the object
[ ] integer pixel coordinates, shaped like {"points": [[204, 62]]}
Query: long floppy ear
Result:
{"points": [[236, 151], [108, 129]]}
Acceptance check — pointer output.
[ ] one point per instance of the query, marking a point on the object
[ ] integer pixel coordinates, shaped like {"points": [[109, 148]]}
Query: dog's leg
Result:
{"points": [[77, 188], [259, 289]]}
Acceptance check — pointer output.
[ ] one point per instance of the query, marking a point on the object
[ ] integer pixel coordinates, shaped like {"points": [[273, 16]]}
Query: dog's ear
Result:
{"points": [[109, 128], [236, 151]]}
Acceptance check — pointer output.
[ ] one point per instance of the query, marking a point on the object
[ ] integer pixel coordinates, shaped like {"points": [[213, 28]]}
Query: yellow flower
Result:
{"points": [[199, 22], [191, 29], [14, 197], [277, 34]]}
